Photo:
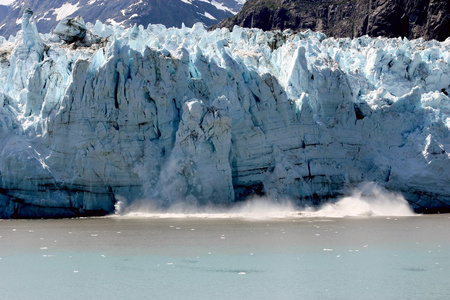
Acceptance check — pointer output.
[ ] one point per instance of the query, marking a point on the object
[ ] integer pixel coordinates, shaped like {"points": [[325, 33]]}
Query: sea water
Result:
{"points": [[226, 257]]}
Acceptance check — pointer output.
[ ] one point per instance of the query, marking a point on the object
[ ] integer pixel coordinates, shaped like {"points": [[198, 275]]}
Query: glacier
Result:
{"points": [[165, 115]]}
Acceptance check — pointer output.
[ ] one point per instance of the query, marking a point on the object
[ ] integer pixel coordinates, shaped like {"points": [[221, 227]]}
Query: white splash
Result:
{"points": [[257, 208], [368, 199]]}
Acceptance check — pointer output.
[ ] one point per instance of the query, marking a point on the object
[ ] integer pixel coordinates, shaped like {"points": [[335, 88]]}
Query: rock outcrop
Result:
{"points": [[429, 19]]}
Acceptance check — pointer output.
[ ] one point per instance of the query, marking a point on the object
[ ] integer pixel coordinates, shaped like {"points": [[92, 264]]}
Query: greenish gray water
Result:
{"points": [[228, 258]]}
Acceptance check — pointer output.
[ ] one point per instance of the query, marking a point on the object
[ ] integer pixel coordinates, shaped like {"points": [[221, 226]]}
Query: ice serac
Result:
{"points": [[73, 30], [163, 115]]}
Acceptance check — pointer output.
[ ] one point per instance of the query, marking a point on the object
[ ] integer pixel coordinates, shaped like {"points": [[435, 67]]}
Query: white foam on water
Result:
{"points": [[367, 200], [256, 208]]}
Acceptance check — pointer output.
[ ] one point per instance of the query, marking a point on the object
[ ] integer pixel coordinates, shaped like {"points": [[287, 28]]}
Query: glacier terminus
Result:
{"points": [[93, 114]]}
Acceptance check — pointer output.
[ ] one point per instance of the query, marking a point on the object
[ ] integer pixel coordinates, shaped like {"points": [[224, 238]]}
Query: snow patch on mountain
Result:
{"points": [[220, 6], [65, 10], [91, 2], [208, 15], [114, 23]]}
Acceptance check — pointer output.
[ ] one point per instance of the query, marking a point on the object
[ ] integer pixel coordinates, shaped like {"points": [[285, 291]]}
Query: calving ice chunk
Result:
{"points": [[164, 115]]}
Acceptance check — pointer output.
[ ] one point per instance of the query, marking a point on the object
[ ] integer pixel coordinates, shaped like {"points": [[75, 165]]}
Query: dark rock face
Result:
{"points": [[429, 19]]}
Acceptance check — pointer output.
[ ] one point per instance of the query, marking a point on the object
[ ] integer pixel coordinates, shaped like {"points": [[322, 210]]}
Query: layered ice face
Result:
{"points": [[164, 115]]}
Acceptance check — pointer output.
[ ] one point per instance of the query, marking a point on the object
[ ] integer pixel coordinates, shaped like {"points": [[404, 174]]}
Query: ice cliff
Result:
{"points": [[163, 115]]}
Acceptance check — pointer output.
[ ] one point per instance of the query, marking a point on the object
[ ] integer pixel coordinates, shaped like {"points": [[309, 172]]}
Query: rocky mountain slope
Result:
{"points": [[125, 12], [429, 19], [3, 12]]}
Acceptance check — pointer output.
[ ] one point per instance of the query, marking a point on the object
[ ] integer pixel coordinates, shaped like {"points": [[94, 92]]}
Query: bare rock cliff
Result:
{"points": [[429, 19]]}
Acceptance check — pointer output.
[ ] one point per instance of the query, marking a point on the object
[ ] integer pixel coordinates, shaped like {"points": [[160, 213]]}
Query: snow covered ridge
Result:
{"points": [[164, 115]]}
